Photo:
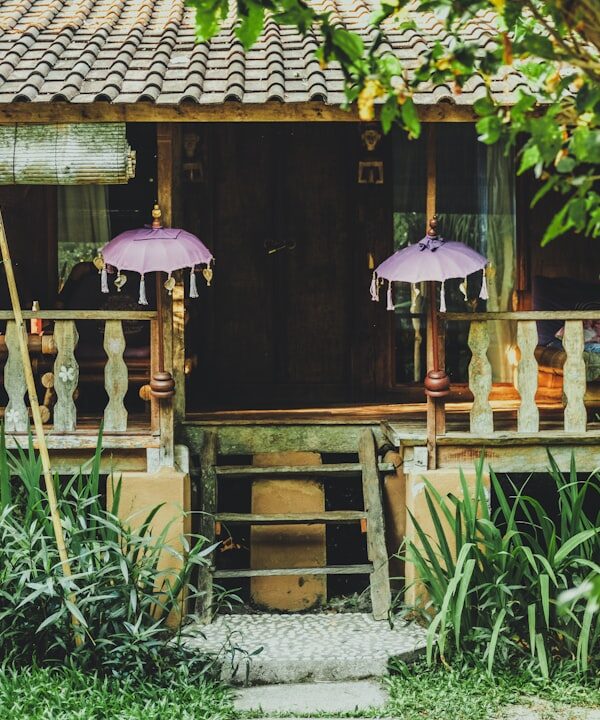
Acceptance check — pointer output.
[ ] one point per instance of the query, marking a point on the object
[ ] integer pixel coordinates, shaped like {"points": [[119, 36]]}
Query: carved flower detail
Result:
{"points": [[66, 374], [13, 416]]}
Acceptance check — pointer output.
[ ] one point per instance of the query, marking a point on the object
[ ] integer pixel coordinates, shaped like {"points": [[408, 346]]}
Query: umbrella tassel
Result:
{"points": [[193, 286], [104, 280], [443, 297], [483, 293], [142, 300], [390, 301], [374, 288]]}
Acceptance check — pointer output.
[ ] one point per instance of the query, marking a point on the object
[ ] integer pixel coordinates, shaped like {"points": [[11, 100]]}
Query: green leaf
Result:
{"points": [[545, 189], [545, 597], [252, 19], [349, 43], [578, 213], [489, 129], [389, 112], [542, 656], [560, 224], [494, 640], [76, 613], [585, 144], [574, 542], [410, 118], [530, 157], [531, 612], [565, 164], [209, 16], [484, 105]]}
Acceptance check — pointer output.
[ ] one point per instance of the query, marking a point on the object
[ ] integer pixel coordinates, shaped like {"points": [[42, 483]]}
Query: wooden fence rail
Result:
{"points": [[480, 369], [64, 375]]}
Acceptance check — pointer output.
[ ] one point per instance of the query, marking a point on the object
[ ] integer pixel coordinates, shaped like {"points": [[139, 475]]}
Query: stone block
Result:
{"points": [[394, 506], [446, 482], [288, 546], [141, 492]]}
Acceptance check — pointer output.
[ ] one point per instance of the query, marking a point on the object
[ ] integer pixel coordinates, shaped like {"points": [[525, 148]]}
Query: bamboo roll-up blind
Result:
{"points": [[65, 154]]}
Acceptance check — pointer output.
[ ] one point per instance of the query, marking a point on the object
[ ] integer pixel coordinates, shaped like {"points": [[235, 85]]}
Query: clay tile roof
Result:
{"points": [[125, 51]]}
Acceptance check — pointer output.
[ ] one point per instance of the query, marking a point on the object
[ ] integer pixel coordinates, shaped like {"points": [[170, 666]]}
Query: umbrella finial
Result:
{"points": [[432, 232], [156, 216]]}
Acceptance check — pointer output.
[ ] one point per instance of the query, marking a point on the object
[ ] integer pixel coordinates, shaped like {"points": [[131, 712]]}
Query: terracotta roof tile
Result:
{"points": [[127, 51]]}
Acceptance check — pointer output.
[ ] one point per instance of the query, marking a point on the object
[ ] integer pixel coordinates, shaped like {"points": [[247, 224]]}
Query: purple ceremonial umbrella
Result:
{"points": [[432, 259], [155, 249]]}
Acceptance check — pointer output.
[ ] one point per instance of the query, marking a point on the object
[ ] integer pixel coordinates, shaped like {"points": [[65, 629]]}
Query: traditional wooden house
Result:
{"points": [[107, 106]]}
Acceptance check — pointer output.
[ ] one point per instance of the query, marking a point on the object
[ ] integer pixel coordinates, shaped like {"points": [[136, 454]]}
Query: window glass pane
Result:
{"points": [[475, 206], [90, 215], [409, 166]]}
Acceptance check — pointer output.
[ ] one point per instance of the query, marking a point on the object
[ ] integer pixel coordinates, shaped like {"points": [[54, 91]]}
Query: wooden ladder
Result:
{"points": [[371, 519]]}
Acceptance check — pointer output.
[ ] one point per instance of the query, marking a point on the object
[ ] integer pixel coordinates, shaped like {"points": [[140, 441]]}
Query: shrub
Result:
{"points": [[494, 588], [122, 597]]}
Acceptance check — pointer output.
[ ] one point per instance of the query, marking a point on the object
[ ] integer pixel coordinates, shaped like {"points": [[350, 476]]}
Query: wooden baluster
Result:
{"points": [[115, 377], [66, 375], [528, 416], [480, 379], [16, 418], [574, 379]]}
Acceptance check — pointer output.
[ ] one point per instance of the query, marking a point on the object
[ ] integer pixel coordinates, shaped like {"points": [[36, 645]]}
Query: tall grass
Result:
{"points": [[122, 596], [496, 584]]}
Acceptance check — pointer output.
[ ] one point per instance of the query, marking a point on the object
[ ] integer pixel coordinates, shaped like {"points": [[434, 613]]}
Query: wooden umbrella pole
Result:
{"points": [[161, 343], [162, 385], [36, 414], [433, 319]]}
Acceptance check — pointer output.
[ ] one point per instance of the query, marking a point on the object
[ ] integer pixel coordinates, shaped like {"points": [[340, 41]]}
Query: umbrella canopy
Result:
{"points": [[431, 259], [155, 249]]}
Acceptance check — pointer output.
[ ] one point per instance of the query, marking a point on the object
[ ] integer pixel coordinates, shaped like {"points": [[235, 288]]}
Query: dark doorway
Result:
{"points": [[277, 205]]}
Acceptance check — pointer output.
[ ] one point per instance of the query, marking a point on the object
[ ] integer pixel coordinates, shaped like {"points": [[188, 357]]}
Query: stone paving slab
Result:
{"points": [[544, 710], [309, 698], [273, 649]]}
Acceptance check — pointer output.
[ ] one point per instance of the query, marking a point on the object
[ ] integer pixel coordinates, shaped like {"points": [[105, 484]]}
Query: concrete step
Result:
{"points": [[299, 648], [307, 699]]}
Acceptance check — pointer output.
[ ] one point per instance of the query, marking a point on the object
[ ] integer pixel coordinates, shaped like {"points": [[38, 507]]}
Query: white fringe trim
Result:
{"points": [[104, 280], [193, 286], [142, 300], [483, 293], [374, 288]]}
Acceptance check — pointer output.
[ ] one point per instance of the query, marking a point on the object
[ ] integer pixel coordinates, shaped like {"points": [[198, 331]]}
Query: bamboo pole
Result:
{"points": [[36, 414]]}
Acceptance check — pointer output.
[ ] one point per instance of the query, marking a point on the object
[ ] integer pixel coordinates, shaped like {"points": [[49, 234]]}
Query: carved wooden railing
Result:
{"points": [[63, 375], [480, 369]]}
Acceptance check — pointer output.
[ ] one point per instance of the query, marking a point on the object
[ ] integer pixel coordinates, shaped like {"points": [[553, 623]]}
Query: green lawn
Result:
{"points": [[72, 695], [416, 693], [422, 693]]}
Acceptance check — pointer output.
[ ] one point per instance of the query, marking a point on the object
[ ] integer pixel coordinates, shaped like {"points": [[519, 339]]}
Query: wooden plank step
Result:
{"points": [[332, 516], [339, 470], [364, 569]]}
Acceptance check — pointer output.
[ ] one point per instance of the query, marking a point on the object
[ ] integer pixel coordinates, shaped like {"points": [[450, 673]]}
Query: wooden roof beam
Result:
{"points": [[60, 112]]}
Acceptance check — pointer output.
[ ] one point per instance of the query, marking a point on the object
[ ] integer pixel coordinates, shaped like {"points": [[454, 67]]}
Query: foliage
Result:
{"points": [[422, 692], [494, 588], [122, 596], [50, 694], [554, 44]]}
